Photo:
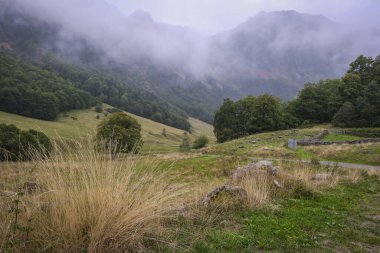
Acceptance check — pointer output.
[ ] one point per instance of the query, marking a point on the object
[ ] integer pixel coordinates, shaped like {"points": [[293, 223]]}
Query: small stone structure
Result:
{"points": [[319, 143], [292, 144]]}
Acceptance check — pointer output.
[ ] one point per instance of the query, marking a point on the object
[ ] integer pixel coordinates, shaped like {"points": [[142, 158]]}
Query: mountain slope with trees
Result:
{"points": [[352, 101]]}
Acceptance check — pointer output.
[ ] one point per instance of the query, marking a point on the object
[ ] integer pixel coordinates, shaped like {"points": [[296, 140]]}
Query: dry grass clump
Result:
{"points": [[90, 202], [294, 179]]}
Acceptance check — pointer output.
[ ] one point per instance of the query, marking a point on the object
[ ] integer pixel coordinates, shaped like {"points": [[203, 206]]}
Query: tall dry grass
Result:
{"points": [[90, 202], [295, 178]]}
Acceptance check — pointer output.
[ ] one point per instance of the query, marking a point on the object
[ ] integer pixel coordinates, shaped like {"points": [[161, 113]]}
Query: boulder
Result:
{"points": [[235, 193], [321, 176], [254, 169]]}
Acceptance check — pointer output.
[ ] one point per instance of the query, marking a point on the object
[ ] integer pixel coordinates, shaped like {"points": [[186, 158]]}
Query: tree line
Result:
{"points": [[351, 101]]}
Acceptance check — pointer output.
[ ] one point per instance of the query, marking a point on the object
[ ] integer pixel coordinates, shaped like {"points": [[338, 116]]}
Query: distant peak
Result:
{"points": [[141, 15], [285, 14]]}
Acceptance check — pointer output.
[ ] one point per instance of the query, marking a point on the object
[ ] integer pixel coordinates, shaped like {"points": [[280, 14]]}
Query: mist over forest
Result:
{"points": [[185, 71]]}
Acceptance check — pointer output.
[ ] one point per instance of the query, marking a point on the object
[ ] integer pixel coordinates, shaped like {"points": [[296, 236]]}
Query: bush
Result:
{"points": [[200, 142], [22, 145], [99, 107], [185, 145], [113, 110], [120, 133]]}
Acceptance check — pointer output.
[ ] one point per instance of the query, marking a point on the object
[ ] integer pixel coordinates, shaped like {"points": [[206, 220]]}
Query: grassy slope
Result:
{"points": [[86, 123], [273, 145], [342, 219]]}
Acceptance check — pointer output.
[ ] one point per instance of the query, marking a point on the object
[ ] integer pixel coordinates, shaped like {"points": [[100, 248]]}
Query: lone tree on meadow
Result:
{"points": [[185, 145], [200, 142], [119, 133]]}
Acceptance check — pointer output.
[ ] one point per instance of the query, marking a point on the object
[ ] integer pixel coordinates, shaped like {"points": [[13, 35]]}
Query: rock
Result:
{"points": [[264, 163], [241, 172], [233, 192], [254, 169], [31, 187], [272, 170], [321, 176], [277, 184]]}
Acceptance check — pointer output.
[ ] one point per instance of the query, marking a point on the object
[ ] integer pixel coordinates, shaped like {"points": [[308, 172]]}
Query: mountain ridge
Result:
{"points": [[194, 73]]}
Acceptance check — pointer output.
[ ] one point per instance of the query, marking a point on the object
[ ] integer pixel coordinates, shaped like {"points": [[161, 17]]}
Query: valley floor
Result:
{"points": [[153, 202]]}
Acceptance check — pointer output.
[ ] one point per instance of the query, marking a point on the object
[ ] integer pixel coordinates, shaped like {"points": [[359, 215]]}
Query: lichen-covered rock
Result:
{"points": [[234, 193], [321, 176], [254, 169]]}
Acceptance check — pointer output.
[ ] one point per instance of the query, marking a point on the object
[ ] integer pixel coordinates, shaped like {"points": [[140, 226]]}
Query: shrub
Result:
{"points": [[185, 145], [113, 110], [120, 132], [21, 145], [200, 142], [99, 107]]}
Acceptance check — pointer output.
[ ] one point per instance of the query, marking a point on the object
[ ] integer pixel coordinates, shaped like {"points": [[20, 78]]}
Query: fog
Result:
{"points": [[212, 16], [109, 25]]}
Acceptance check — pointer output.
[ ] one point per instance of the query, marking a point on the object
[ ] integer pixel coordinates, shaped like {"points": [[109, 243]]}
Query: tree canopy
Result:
{"points": [[22, 145], [120, 133], [351, 101]]}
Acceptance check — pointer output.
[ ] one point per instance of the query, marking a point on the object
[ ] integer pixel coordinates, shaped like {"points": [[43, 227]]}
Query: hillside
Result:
{"points": [[175, 70], [82, 123]]}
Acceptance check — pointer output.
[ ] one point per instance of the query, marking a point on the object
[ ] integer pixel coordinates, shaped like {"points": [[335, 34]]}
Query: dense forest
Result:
{"points": [[30, 43], [351, 101], [34, 92]]}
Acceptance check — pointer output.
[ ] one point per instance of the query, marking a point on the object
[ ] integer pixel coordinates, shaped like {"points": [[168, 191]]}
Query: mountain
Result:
{"points": [[277, 53], [168, 73]]}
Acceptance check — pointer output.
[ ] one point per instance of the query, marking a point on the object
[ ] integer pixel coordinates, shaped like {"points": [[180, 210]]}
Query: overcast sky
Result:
{"points": [[210, 16]]}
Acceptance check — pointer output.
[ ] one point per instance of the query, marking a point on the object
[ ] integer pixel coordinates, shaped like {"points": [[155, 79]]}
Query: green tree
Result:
{"points": [[345, 116], [185, 145], [99, 107], [120, 133], [200, 142], [22, 145], [268, 114], [226, 122]]}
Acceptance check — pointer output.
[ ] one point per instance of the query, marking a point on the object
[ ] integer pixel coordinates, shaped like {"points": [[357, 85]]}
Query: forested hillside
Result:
{"points": [[34, 92], [351, 101], [39, 45]]}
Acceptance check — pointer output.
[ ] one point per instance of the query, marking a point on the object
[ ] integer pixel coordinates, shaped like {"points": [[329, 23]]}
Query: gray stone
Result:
{"points": [[264, 163], [254, 169], [321, 176], [277, 184], [234, 192]]}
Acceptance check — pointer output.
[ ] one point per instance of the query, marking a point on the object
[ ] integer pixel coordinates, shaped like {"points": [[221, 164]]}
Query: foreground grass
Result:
{"points": [[85, 201], [342, 219]]}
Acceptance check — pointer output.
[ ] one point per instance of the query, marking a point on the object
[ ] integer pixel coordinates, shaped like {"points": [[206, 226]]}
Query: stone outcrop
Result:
{"points": [[254, 168], [236, 193], [233, 192]]}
